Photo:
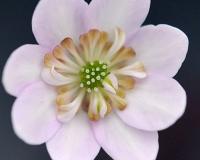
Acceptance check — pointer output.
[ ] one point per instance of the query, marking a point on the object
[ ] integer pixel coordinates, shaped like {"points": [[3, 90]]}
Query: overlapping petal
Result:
{"points": [[54, 20], [74, 140], [109, 14], [161, 48], [123, 142], [155, 103], [34, 114], [23, 68]]}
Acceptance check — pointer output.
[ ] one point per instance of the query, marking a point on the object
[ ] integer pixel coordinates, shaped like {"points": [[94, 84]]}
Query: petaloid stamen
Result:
{"points": [[94, 74]]}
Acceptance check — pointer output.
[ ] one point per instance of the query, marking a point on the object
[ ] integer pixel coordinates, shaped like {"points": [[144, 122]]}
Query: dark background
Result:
{"points": [[180, 142]]}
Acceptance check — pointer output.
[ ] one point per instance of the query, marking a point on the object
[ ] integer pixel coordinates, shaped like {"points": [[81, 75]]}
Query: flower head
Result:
{"points": [[96, 79], [94, 74]]}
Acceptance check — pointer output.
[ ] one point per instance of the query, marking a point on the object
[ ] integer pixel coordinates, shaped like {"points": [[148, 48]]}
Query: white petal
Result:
{"points": [[162, 48], [122, 142], [109, 14], [154, 104], [54, 20], [34, 114], [75, 141], [23, 68]]}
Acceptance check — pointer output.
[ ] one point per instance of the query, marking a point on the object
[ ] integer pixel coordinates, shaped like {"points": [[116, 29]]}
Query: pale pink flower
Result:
{"points": [[96, 79]]}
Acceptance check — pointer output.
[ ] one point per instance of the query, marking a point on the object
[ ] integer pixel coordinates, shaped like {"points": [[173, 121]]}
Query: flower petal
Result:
{"points": [[23, 68], [155, 103], [74, 140], [55, 20], [123, 142], [161, 48], [34, 114], [109, 14]]}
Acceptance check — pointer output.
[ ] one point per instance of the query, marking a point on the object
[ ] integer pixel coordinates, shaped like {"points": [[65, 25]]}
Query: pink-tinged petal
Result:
{"points": [[23, 68], [74, 141], [161, 48], [154, 104], [109, 14], [122, 142], [34, 114], [54, 20]]}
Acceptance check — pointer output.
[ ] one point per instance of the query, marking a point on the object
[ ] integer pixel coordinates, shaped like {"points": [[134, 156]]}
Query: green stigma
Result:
{"points": [[92, 75]]}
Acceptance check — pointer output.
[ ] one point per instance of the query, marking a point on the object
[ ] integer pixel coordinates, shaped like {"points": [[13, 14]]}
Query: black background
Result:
{"points": [[180, 142]]}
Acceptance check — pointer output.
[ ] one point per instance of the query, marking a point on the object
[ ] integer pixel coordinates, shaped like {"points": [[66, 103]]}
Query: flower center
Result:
{"points": [[92, 75]]}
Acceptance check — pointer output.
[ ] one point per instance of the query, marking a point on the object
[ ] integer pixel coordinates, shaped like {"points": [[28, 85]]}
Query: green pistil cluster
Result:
{"points": [[92, 75]]}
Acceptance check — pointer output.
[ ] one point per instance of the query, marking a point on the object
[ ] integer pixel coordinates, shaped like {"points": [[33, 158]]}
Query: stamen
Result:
{"points": [[94, 74]]}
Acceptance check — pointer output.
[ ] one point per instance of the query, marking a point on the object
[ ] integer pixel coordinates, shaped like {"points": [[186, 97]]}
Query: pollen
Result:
{"points": [[92, 75]]}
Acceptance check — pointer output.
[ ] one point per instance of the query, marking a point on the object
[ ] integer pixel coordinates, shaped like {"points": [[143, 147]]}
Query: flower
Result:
{"points": [[96, 79]]}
